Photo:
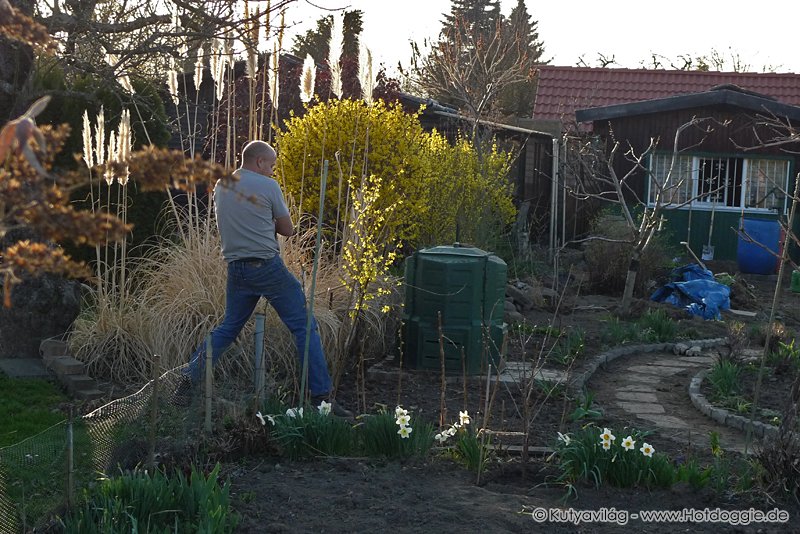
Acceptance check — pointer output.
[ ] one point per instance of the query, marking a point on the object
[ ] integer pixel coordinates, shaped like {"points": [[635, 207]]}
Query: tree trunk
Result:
{"points": [[16, 61], [630, 282]]}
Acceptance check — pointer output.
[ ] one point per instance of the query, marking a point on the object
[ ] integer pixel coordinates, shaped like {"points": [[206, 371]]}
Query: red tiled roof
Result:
{"points": [[563, 90]]}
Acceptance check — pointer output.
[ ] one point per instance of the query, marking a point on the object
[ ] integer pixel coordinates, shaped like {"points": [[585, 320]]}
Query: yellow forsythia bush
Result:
{"points": [[438, 183]]}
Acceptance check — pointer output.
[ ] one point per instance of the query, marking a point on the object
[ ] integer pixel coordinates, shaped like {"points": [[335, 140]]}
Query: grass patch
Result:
{"points": [[27, 407]]}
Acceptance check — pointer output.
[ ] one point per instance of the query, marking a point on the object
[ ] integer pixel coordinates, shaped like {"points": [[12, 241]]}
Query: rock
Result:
{"points": [[694, 351], [549, 293], [509, 306], [520, 297], [680, 348], [512, 317]]}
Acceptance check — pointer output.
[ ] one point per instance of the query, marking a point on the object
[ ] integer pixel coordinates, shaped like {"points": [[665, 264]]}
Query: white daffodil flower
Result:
{"points": [[606, 445], [607, 435], [294, 412], [441, 438], [463, 417], [647, 450], [324, 408], [403, 420], [400, 411], [628, 443], [565, 438], [261, 418], [404, 431]]}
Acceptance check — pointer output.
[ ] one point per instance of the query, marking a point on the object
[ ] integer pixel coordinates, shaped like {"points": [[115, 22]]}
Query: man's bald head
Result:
{"points": [[256, 149], [259, 157]]}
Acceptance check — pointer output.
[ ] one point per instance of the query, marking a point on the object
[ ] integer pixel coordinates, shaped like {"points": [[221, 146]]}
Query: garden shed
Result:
{"points": [[736, 172], [729, 174]]}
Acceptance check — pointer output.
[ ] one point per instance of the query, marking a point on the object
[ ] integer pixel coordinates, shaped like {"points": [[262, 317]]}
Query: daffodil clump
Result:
{"points": [[600, 457], [394, 435], [469, 447], [444, 435], [311, 432], [315, 432]]}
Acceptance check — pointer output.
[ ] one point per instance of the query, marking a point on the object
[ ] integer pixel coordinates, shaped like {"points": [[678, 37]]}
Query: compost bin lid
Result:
{"points": [[457, 249]]}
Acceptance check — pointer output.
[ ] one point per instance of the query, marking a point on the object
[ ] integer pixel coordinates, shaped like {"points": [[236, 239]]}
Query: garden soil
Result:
{"points": [[359, 495]]}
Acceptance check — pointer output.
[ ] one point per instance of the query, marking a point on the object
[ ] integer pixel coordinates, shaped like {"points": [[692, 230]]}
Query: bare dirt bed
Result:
{"points": [[359, 495]]}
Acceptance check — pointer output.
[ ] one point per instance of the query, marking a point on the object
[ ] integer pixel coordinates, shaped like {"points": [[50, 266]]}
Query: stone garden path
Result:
{"points": [[651, 391]]}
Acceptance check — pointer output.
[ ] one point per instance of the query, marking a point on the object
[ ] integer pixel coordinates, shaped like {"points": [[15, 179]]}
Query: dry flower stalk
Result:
{"points": [[307, 79]]}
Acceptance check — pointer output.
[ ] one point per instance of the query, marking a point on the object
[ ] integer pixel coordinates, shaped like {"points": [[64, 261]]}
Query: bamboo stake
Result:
{"points": [[209, 382], [151, 436], [70, 459], [442, 405], [259, 363], [322, 186]]}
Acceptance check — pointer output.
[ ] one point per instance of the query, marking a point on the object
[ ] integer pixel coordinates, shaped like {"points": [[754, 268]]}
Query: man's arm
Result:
{"points": [[284, 226]]}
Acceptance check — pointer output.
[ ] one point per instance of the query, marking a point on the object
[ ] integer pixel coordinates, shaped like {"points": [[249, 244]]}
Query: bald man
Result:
{"points": [[250, 211]]}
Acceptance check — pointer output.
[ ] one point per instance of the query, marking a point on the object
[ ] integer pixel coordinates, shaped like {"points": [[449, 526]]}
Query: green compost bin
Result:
{"points": [[467, 285]]}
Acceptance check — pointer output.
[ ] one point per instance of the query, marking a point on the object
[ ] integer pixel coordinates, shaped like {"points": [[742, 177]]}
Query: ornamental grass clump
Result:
{"points": [[394, 435], [599, 457]]}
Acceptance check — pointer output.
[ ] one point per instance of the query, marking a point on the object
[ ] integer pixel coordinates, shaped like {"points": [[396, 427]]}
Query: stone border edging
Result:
{"points": [[723, 416], [579, 380]]}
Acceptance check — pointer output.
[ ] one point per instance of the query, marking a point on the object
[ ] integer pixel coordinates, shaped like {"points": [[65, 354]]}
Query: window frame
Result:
{"points": [[718, 206]]}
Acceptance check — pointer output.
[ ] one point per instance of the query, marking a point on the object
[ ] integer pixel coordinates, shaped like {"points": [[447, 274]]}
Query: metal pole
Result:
{"points": [[259, 364], [151, 437], [209, 380]]}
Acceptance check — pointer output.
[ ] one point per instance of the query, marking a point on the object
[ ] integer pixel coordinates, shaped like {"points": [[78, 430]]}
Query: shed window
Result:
{"points": [[719, 181]]}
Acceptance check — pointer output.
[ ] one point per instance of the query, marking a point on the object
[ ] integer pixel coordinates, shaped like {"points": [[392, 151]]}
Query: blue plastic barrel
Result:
{"points": [[758, 257]]}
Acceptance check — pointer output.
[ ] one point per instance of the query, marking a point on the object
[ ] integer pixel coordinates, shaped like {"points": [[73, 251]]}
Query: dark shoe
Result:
{"points": [[336, 409], [182, 395]]}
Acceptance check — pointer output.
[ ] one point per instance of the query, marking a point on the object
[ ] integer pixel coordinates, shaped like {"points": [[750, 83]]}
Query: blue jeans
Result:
{"points": [[247, 282]]}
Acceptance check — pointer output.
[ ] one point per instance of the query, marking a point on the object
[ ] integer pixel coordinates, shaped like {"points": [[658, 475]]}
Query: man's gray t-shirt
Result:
{"points": [[246, 210]]}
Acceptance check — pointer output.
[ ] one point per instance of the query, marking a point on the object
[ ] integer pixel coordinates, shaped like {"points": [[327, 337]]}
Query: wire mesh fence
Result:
{"points": [[42, 476]]}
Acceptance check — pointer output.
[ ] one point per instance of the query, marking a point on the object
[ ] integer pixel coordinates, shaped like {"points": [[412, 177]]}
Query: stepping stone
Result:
{"points": [[75, 383], [53, 348], [697, 359], [643, 379], [636, 387], [664, 421], [88, 394], [66, 365], [23, 368], [636, 396], [641, 408], [659, 370]]}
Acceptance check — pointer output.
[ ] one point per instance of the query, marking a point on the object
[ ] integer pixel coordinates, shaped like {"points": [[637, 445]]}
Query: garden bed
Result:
{"points": [[415, 495]]}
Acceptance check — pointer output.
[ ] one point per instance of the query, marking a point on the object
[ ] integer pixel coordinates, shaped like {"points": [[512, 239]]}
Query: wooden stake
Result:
{"points": [[209, 382]]}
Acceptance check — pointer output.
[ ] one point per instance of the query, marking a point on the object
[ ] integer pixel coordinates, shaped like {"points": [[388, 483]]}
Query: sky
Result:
{"points": [[761, 33]]}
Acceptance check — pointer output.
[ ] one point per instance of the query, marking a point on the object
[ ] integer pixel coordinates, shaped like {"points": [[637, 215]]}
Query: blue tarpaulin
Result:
{"points": [[695, 289]]}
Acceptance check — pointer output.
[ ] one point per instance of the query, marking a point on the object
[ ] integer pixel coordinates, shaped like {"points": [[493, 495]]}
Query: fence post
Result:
{"points": [[259, 363], [209, 380], [70, 460], [151, 438]]}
